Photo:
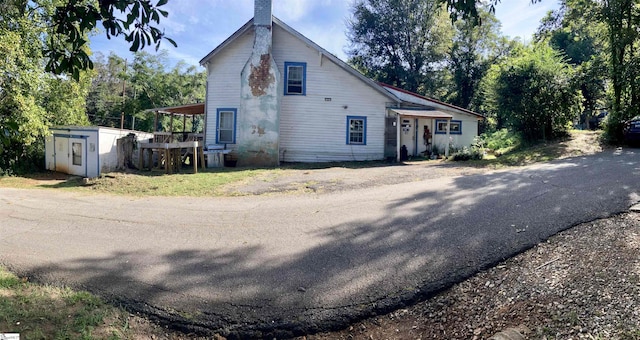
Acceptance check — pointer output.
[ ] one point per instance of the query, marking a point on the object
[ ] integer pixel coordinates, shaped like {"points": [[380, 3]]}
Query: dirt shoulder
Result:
{"points": [[345, 177]]}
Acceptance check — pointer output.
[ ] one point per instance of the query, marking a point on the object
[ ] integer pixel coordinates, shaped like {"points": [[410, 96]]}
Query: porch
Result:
{"points": [[415, 130], [171, 149]]}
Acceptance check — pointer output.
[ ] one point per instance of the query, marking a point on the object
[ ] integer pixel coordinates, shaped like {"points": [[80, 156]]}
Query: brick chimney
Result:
{"points": [[259, 116]]}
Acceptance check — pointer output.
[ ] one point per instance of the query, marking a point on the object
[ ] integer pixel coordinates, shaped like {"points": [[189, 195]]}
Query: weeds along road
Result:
{"points": [[284, 265]]}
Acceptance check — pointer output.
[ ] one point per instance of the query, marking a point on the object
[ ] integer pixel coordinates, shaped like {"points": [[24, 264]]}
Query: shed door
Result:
{"points": [[61, 154], [77, 156]]}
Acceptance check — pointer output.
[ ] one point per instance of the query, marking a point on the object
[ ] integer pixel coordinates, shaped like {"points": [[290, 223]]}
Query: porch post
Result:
{"points": [[398, 137], [446, 145]]}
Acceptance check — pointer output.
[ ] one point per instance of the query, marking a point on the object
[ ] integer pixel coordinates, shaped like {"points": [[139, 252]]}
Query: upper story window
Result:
{"points": [[455, 128], [295, 78]]}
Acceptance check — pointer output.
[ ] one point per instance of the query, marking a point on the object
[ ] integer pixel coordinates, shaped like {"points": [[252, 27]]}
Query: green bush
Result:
{"points": [[466, 154], [501, 139]]}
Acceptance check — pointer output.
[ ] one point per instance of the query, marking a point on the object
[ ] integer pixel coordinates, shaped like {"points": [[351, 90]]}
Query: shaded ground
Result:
{"points": [[583, 283]]}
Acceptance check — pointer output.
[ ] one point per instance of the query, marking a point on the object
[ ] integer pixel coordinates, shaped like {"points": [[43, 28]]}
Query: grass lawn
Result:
{"points": [[45, 312], [143, 183]]}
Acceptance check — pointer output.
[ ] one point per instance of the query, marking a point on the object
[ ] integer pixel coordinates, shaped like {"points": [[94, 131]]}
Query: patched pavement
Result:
{"points": [[284, 265]]}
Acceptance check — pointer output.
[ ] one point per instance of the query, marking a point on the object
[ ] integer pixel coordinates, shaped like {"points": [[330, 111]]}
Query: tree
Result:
{"points": [[149, 84], [30, 99], [572, 31], [531, 93], [475, 48], [105, 99], [72, 20], [400, 42], [622, 19]]}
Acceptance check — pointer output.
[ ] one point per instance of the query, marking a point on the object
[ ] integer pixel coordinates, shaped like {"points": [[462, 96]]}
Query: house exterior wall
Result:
{"points": [[313, 127], [223, 83], [469, 132]]}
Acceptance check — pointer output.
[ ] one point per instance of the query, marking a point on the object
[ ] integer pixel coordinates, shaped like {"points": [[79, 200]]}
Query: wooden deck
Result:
{"points": [[172, 155]]}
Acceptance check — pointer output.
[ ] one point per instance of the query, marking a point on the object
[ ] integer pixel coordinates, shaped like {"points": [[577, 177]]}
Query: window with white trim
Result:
{"points": [[226, 133], [356, 130], [295, 78], [454, 129]]}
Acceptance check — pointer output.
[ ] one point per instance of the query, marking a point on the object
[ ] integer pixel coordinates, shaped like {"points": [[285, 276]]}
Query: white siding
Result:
{"points": [[469, 122], [469, 132], [313, 129], [224, 81]]}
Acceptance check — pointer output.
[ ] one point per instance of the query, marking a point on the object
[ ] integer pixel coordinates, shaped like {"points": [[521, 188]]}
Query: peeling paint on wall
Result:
{"points": [[259, 116], [260, 77], [258, 129]]}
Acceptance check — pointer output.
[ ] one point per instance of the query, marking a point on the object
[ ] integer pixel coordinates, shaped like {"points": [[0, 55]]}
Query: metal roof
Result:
{"points": [[423, 113], [188, 109]]}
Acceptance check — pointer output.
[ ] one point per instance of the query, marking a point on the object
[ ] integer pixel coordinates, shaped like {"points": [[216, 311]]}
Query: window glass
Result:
{"points": [[455, 127], [295, 78], [357, 127], [76, 152], [226, 126]]}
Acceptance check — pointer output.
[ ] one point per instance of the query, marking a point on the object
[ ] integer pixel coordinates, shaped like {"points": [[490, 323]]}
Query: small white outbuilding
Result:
{"points": [[86, 151]]}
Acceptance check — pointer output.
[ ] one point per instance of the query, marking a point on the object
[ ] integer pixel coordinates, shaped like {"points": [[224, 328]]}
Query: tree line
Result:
{"points": [[583, 60]]}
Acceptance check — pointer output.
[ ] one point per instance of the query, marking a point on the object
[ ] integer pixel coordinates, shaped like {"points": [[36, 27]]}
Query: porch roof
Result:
{"points": [[423, 113], [188, 109]]}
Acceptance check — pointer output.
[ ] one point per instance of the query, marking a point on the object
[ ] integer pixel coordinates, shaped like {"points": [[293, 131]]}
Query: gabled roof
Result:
{"points": [[414, 98], [308, 42], [395, 94]]}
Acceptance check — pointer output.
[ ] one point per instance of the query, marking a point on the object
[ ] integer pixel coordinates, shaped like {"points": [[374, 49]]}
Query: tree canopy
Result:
{"points": [[531, 93], [399, 42]]}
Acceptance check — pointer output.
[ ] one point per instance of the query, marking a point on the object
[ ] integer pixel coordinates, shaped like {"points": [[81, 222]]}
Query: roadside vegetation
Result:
{"points": [[46, 312]]}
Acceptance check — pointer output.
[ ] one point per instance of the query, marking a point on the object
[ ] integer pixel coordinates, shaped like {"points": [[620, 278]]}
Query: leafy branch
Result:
{"points": [[67, 46]]}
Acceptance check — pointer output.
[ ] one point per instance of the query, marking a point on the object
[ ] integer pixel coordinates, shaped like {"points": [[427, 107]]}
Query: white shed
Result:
{"points": [[86, 151]]}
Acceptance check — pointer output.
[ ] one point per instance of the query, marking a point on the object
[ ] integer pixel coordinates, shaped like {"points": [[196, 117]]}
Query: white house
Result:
{"points": [[86, 151], [275, 96]]}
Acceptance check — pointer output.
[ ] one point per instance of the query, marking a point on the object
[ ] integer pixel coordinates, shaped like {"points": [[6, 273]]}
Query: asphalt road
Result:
{"points": [[292, 264]]}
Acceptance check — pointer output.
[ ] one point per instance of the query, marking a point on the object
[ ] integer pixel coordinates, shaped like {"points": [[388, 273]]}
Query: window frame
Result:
{"points": [[451, 131], [234, 113], [288, 64], [364, 130], [76, 157]]}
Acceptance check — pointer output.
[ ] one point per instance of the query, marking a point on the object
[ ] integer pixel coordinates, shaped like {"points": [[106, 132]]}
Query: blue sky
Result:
{"points": [[198, 26]]}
